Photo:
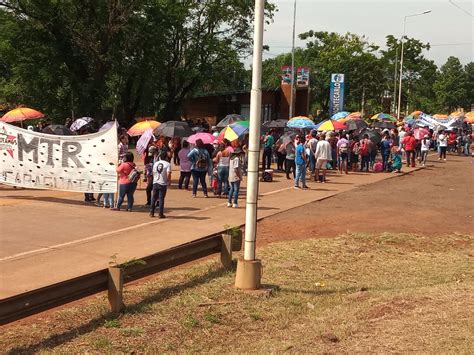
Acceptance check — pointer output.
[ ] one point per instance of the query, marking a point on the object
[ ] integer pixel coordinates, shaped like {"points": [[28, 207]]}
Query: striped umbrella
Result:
{"points": [[330, 125], [354, 116], [21, 114], [383, 117], [234, 131]]}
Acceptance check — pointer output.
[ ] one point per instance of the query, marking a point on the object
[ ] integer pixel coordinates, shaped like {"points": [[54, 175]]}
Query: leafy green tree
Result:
{"points": [[450, 85], [469, 69]]}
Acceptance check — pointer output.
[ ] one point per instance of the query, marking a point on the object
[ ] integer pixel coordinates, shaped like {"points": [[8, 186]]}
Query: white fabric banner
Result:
{"points": [[84, 163]]}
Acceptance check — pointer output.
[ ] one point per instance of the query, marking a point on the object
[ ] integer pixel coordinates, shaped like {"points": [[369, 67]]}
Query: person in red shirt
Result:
{"points": [[409, 144]]}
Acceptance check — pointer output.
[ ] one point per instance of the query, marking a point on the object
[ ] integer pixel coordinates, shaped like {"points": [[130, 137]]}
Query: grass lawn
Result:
{"points": [[354, 293]]}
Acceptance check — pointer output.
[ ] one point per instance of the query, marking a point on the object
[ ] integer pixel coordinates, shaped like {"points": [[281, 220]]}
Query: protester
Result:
{"points": [[161, 181], [122, 147], [396, 163], [149, 161], [201, 163], [300, 161], [126, 186], [311, 144], [364, 152], [425, 147], [385, 148], [222, 161], [322, 155], [281, 154], [409, 145], [354, 147], [342, 153], [184, 166], [235, 178], [442, 145], [467, 141], [290, 160], [268, 142]]}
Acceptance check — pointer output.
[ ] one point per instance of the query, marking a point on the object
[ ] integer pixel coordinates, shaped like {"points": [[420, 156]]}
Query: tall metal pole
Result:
{"points": [[401, 71], [293, 63], [394, 100], [254, 138], [401, 60]]}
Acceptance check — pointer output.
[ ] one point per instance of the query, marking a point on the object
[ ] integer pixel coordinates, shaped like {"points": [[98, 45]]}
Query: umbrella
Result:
{"points": [[300, 123], [21, 114], [79, 123], [108, 125], [339, 115], [416, 113], [354, 116], [287, 137], [57, 130], [330, 125], [280, 123], [456, 114], [173, 129], [206, 138], [353, 125], [234, 131], [409, 118], [469, 117], [420, 133], [139, 128], [374, 136], [300, 118], [383, 117], [229, 119], [384, 124], [440, 116]]}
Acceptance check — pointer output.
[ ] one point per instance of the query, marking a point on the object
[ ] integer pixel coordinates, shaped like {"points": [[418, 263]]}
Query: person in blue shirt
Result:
{"points": [[201, 163], [385, 147], [300, 160]]}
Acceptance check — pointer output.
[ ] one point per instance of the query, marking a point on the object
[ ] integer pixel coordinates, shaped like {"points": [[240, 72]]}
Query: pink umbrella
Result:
{"points": [[206, 138], [420, 133]]}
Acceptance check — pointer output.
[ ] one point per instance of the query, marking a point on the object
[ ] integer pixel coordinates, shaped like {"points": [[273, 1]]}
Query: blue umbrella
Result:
{"points": [[339, 115], [300, 124]]}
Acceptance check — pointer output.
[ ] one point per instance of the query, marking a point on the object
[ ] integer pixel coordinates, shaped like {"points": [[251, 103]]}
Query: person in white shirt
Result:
{"points": [[425, 147], [322, 155], [161, 181], [442, 145]]}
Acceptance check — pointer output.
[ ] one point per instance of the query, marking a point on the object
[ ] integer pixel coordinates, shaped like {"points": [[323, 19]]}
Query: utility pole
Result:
{"points": [[292, 94], [249, 268]]}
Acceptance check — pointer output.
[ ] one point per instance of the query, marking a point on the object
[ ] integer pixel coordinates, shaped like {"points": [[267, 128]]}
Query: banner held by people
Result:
{"points": [[84, 163]]}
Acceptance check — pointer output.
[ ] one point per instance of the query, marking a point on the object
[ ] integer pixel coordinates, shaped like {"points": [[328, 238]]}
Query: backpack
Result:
{"points": [[134, 175], [356, 148], [364, 148], [201, 161], [343, 148]]}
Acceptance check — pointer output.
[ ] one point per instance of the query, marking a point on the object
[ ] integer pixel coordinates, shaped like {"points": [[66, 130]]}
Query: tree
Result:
{"points": [[469, 69], [450, 85]]}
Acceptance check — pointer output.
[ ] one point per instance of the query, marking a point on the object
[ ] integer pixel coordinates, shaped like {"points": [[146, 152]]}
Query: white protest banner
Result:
{"points": [[84, 163]]}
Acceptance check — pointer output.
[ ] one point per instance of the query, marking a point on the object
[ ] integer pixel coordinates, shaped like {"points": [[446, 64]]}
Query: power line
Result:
{"points": [[460, 8]]}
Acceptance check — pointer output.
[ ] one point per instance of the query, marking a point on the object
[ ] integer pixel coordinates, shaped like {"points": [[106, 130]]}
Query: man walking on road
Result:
{"points": [[323, 155], [161, 181]]}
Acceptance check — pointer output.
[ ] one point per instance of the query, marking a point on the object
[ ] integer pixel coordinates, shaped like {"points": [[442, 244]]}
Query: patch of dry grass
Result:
{"points": [[354, 293]]}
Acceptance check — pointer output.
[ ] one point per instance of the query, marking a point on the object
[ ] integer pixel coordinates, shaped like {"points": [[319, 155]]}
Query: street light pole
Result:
{"points": [[293, 63], [401, 60], [394, 98], [249, 268]]}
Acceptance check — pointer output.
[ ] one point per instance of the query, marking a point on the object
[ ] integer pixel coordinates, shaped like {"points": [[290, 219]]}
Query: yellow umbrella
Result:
{"points": [[440, 116], [139, 128], [21, 114], [469, 117], [301, 118], [456, 114]]}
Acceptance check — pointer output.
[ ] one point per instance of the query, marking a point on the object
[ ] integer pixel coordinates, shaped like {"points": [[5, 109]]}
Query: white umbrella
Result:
{"points": [[79, 123], [107, 126]]}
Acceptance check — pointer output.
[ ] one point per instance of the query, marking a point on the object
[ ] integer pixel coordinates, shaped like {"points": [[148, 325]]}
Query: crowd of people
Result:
{"points": [[219, 168]]}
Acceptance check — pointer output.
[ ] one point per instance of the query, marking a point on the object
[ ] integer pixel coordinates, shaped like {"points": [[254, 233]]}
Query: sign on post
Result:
{"points": [[84, 163], [336, 94]]}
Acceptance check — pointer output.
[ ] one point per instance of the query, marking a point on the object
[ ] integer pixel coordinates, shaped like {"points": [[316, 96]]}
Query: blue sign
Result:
{"points": [[336, 94]]}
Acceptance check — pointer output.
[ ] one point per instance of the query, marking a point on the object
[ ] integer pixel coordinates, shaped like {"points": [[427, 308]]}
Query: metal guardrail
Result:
{"points": [[35, 301]]}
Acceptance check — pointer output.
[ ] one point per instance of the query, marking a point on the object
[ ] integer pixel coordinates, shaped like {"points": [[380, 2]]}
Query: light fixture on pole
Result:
{"points": [[401, 59], [249, 268], [292, 93]]}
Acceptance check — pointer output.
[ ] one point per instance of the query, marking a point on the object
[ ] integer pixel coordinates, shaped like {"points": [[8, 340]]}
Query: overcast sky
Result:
{"points": [[447, 28]]}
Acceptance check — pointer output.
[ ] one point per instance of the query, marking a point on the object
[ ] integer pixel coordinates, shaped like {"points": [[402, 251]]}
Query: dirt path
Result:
{"points": [[433, 201]]}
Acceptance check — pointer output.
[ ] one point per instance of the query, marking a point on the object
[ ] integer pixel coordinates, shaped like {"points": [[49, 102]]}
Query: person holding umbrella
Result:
{"points": [[201, 163]]}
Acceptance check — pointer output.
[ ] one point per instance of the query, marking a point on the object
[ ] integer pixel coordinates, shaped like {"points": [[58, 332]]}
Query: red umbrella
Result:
{"points": [[420, 133]]}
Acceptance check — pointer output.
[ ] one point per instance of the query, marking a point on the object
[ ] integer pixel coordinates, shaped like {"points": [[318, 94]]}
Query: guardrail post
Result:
{"points": [[115, 293], [231, 241]]}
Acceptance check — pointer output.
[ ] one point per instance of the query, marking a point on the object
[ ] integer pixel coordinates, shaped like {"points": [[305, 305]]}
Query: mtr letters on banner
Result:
{"points": [[84, 163]]}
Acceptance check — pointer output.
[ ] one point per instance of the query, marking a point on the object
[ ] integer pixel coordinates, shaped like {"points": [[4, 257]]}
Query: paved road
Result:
{"points": [[50, 236]]}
